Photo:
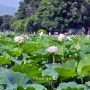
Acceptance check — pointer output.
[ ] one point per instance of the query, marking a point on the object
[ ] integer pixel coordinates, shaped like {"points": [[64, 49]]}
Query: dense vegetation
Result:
{"points": [[5, 22], [40, 61], [44, 62], [52, 15]]}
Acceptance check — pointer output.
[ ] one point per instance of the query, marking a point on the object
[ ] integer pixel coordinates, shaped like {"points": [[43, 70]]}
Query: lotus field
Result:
{"points": [[44, 62]]}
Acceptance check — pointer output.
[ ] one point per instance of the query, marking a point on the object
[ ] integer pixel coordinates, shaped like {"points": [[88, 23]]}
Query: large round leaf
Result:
{"points": [[11, 78], [84, 65], [67, 70], [30, 71], [38, 87], [50, 71], [71, 86]]}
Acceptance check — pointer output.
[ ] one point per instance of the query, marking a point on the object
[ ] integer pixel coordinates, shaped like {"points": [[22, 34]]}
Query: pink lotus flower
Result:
{"points": [[18, 39], [52, 49], [61, 37]]}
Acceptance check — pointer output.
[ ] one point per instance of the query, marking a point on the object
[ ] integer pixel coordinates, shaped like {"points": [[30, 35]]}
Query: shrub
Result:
{"points": [[41, 30]]}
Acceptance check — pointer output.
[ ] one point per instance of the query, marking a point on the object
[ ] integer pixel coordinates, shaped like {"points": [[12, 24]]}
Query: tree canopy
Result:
{"points": [[6, 21], [54, 15]]}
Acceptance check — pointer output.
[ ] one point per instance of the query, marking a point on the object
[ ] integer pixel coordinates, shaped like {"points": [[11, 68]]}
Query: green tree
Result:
{"points": [[18, 26], [60, 14], [1, 21], [7, 21], [54, 15], [87, 22], [21, 14], [26, 25], [27, 8]]}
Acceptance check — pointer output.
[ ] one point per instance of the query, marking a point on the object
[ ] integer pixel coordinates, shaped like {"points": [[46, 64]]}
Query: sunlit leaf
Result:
{"points": [[4, 60], [84, 62], [30, 71], [67, 70]]}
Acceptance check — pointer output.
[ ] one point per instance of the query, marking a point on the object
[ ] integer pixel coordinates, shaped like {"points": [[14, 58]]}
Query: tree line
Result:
{"points": [[5, 22], [51, 15]]}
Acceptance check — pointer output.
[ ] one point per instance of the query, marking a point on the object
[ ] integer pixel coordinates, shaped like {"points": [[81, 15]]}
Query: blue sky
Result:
{"points": [[11, 3]]}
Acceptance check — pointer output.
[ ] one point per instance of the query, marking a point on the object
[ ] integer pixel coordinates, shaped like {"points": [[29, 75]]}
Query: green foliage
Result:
{"points": [[67, 68], [4, 60], [27, 69], [38, 87], [83, 66], [28, 65], [18, 26], [41, 30], [5, 22], [71, 86], [50, 71], [57, 14], [54, 15], [26, 25], [1, 21], [11, 80], [27, 8]]}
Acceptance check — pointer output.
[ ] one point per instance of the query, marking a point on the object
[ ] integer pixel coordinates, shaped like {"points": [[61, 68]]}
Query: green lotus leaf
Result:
{"points": [[4, 60], [60, 49], [37, 86], [77, 46], [39, 52], [5, 42], [31, 47], [35, 62], [70, 64], [25, 56], [16, 87], [83, 64], [67, 70], [87, 83], [14, 51], [50, 71], [71, 86], [85, 48], [11, 79], [85, 71], [1, 87], [13, 87], [29, 88], [30, 71]]}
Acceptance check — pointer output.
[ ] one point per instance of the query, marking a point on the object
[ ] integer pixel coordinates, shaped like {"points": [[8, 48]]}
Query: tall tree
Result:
{"points": [[7, 21], [60, 14], [55, 14], [27, 8]]}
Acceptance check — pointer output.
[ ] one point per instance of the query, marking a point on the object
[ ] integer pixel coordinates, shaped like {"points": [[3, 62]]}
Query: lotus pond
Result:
{"points": [[35, 62]]}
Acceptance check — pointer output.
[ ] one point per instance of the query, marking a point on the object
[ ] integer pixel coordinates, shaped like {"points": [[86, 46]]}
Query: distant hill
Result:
{"points": [[4, 10]]}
